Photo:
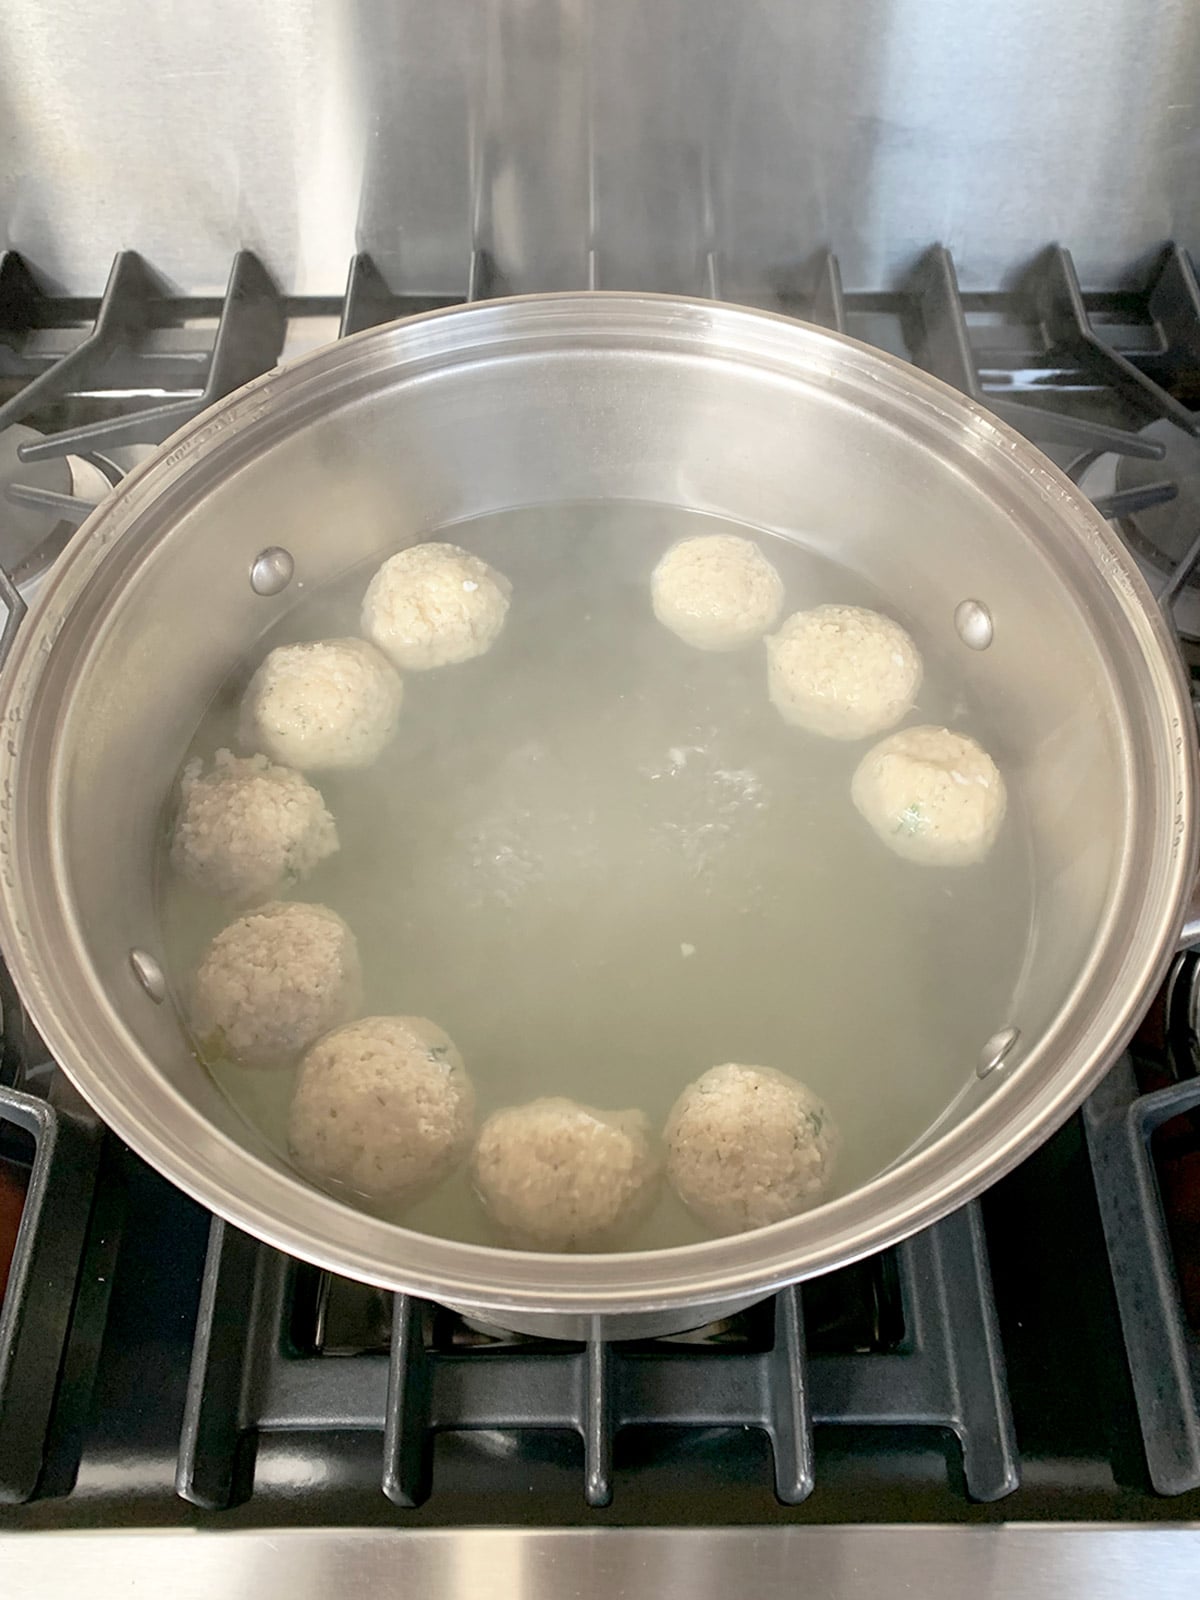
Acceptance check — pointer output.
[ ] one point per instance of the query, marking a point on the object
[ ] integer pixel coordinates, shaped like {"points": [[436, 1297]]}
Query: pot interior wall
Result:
{"points": [[928, 510]]}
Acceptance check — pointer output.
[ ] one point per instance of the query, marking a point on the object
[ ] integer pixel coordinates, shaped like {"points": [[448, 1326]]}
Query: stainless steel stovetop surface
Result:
{"points": [[851, 1563]]}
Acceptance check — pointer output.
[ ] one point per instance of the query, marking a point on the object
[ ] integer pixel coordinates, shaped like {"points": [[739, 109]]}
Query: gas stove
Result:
{"points": [[1034, 1359]]}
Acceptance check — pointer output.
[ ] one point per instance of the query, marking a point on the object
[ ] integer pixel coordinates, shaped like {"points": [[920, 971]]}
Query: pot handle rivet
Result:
{"points": [[974, 623], [271, 570], [995, 1050], [149, 974]]}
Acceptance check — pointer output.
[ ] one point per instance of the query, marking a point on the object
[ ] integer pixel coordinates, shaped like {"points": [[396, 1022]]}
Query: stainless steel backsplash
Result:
{"points": [[670, 144]]}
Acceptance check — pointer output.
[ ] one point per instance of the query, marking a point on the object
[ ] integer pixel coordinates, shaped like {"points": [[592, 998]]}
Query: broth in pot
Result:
{"points": [[602, 862]]}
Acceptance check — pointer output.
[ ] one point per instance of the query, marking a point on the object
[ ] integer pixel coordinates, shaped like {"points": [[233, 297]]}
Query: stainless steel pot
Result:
{"points": [[345, 454]]}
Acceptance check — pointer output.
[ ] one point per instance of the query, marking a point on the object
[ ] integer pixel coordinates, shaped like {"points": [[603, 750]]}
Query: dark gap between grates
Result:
{"points": [[17, 1150], [1175, 1154]]}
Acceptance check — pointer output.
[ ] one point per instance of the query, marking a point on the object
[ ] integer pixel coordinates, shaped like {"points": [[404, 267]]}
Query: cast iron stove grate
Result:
{"points": [[945, 1369]]}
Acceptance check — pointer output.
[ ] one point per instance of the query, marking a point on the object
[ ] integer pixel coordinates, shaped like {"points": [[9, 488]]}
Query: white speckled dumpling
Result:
{"points": [[320, 706], [747, 1146], [932, 796], [248, 828], [716, 591], [383, 1106], [271, 983], [842, 671], [434, 605], [556, 1175]]}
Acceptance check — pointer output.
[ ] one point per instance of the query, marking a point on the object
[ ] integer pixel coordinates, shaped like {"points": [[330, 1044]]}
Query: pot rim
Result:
{"points": [[82, 1027]]}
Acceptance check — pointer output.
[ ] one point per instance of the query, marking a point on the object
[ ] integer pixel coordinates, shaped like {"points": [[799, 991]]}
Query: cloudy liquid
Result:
{"points": [[600, 860]]}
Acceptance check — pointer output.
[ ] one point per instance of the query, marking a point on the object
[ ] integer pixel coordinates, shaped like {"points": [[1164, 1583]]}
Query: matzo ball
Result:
{"points": [[932, 796], [320, 706], [716, 591], [383, 1106], [248, 827], [842, 671], [271, 983], [746, 1146], [434, 605], [556, 1175]]}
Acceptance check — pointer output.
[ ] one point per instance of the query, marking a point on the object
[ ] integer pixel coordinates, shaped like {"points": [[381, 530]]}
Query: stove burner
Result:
{"points": [[1165, 534]]}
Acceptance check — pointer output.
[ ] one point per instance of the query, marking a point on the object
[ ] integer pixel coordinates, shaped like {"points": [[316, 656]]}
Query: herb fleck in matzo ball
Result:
{"points": [[273, 982], [716, 591], [320, 706], [249, 828], [383, 1106], [842, 671], [746, 1146], [555, 1175], [932, 796], [434, 605]]}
